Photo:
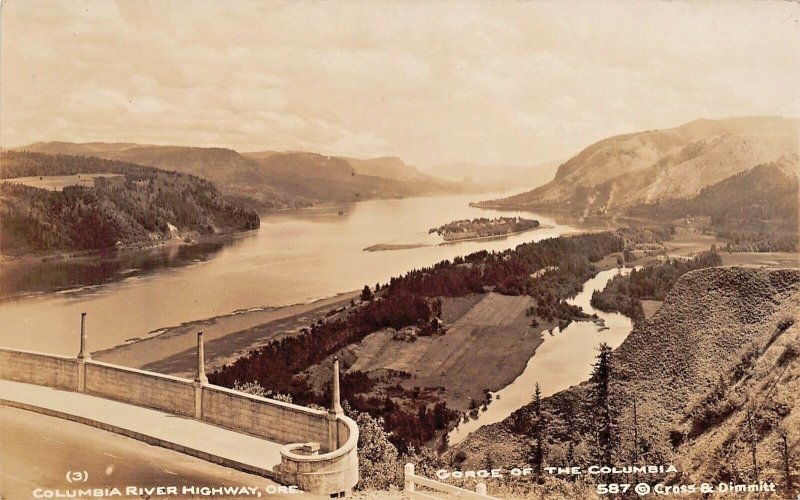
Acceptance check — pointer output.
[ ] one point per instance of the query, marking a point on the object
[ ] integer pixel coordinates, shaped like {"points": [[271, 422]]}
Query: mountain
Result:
{"points": [[496, 177], [652, 166], [714, 375], [755, 210], [342, 179], [268, 179], [103, 203], [391, 167]]}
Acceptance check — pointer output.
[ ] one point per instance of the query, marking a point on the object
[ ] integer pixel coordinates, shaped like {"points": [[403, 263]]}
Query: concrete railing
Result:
{"points": [[266, 418], [333, 472], [411, 481], [141, 388], [310, 470], [59, 372]]}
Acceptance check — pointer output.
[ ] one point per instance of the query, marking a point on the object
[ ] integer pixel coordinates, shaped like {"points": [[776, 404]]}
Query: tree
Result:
{"points": [[366, 294], [784, 450], [538, 432], [602, 409], [378, 462]]}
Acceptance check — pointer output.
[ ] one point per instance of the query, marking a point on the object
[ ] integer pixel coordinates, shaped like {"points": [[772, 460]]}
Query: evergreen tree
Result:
{"points": [[602, 410], [538, 432]]}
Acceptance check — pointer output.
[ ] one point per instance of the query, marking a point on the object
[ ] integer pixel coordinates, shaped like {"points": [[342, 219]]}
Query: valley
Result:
{"points": [[445, 355], [400, 250]]}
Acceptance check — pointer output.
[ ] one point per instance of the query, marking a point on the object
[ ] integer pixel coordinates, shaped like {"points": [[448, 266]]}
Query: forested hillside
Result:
{"points": [[414, 300], [755, 210], [137, 207], [624, 292], [709, 383]]}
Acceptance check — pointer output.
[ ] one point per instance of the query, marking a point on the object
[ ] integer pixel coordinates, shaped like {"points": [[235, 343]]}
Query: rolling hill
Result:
{"points": [[272, 180], [648, 167]]}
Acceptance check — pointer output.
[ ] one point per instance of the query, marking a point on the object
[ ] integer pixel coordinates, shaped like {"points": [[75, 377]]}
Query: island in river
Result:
{"points": [[483, 227]]}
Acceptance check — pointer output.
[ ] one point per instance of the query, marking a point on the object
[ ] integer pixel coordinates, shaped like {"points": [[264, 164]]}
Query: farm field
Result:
{"points": [[465, 359], [58, 182]]}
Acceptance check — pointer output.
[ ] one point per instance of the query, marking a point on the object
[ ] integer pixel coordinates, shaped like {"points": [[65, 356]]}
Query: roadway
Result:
{"points": [[37, 451]]}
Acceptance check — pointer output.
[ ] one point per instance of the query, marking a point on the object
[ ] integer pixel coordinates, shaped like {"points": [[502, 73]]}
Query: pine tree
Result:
{"points": [[538, 432], [602, 409]]}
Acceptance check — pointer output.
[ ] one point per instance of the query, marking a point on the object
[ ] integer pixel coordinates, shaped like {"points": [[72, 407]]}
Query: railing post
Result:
{"points": [[200, 379], [336, 406], [480, 488], [408, 477], [83, 356], [335, 411]]}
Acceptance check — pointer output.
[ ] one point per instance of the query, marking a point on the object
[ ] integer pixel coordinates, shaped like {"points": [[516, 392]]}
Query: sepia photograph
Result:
{"points": [[399, 249]]}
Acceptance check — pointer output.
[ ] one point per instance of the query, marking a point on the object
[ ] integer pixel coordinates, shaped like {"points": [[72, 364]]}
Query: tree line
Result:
{"points": [[754, 210], [624, 293]]}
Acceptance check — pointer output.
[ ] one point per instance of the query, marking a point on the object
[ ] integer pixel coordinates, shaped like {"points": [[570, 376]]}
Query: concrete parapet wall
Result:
{"points": [[329, 473], [59, 372], [137, 387], [266, 418], [332, 471]]}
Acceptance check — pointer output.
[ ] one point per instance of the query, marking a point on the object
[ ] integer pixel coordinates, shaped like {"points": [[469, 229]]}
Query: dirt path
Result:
{"points": [[226, 337]]}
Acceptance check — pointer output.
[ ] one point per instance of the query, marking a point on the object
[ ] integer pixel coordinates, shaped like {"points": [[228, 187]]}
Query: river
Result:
{"points": [[564, 359], [295, 257]]}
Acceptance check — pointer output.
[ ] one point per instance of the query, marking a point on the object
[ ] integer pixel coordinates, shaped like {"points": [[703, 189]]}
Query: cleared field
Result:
{"points": [[690, 242], [58, 182], [487, 347], [762, 259]]}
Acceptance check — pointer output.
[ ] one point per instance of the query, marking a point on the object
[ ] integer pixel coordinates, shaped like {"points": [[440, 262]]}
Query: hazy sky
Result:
{"points": [[486, 82]]}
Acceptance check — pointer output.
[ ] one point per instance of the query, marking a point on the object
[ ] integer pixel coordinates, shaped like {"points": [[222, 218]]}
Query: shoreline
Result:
{"points": [[171, 350], [133, 247], [387, 247]]}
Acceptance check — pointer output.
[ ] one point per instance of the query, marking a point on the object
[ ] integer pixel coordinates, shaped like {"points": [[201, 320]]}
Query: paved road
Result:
{"points": [[37, 451]]}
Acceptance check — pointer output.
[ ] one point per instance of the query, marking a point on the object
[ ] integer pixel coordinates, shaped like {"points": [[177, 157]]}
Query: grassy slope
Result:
{"points": [[648, 166]]}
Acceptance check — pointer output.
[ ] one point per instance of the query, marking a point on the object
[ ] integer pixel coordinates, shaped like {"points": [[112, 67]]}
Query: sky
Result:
{"points": [[430, 81]]}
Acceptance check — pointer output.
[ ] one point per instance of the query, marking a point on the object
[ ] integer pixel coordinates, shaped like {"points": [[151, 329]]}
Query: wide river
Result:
{"points": [[295, 257]]}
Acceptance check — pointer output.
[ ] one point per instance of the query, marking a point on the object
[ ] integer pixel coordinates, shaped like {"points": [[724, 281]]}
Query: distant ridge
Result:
{"points": [[651, 166], [269, 179], [126, 204]]}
